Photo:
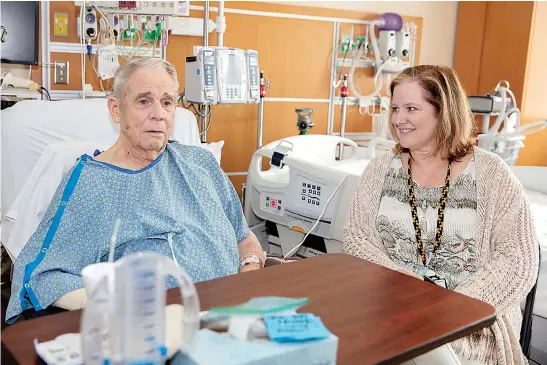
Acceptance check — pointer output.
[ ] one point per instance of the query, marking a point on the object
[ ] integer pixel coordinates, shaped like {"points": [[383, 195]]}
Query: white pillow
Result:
{"points": [[29, 207], [215, 148]]}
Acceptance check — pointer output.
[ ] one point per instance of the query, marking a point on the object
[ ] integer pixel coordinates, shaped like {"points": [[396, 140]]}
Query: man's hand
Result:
{"points": [[251, 247], [250, 267]]}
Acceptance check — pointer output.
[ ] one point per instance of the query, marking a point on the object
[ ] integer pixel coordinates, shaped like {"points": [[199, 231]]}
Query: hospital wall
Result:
{"points": [[507, 41], [294, 53], [438, 32]]}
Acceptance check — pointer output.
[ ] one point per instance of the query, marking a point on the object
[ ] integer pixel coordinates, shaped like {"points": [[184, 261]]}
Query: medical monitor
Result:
{"points": [[19, 32], [222, 75]]}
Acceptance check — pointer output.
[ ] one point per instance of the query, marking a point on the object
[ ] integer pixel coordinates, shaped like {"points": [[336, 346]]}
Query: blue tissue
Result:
{"points": [[295, 327], [214, 348]]}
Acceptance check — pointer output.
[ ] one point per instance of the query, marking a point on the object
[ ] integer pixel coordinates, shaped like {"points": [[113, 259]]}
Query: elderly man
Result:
{"points": [[171, 199]]}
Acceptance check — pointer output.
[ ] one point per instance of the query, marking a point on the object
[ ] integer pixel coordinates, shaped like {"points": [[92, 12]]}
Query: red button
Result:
{"points": [[273, 203]]}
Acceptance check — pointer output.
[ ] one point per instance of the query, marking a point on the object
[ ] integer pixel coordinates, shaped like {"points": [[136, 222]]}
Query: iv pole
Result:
{"points": [[261, 110], [203, 117], [344, 93]]}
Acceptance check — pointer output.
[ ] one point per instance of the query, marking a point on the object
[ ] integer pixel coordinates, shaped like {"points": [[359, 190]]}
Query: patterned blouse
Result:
{"points": [[455, 259]]}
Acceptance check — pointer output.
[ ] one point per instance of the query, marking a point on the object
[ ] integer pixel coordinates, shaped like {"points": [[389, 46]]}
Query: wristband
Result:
{"points": [[249, 260]]}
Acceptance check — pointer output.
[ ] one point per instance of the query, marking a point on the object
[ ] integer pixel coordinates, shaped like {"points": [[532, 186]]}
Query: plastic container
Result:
{"points": [[130, 318]]}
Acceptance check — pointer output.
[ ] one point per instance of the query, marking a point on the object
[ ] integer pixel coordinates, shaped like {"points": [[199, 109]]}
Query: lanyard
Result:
{"points": [[414, 210]]}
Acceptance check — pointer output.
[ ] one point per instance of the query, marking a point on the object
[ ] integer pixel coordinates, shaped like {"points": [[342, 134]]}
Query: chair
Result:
{"points": [[526, 328]]}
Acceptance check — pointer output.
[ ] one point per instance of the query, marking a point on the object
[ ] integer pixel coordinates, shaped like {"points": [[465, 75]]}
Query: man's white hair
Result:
{"points": [[125, 71]]}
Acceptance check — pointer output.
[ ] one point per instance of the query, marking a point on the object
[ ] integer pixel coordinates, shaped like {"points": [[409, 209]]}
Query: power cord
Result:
{"points": [[199, 112], [316, 222], [47, 93]]}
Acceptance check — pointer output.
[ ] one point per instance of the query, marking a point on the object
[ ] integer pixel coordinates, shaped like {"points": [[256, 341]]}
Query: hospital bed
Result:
{"points": [[41, 141]]}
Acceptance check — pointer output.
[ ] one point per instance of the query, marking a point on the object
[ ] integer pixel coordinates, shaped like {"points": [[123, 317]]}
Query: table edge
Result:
{"points": [[439, 341]]}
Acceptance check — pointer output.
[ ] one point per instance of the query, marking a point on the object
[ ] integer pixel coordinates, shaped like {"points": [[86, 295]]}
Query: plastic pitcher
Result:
{"points": [[130, 316]]}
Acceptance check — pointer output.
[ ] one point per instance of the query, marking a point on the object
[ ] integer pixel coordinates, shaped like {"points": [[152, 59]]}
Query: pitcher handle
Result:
{"points": [[190, 314]]}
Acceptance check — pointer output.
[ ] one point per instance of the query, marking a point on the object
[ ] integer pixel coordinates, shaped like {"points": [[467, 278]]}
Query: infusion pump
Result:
{"points": [[220, 75]]}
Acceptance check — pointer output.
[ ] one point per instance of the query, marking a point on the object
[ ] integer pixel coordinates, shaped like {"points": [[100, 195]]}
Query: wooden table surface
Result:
{"points": [[380, 316]]}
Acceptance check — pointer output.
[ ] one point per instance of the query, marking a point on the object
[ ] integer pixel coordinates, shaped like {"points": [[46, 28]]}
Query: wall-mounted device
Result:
{"points": [[19, 39], [90, 23], [114, 21], [173, 8], [220, 75], [486, 104], [403, 44], [388, 44], [254, 76], [200, 77]]}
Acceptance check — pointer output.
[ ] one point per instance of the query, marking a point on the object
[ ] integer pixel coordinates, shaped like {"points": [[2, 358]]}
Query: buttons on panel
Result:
{"points": [[233, 92], [311, 194], [208, 75], [254, 76], [273, 204]]}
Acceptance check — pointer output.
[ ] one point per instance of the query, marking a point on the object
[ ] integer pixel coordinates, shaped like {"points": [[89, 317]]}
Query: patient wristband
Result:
{"points": [[250, 259]]}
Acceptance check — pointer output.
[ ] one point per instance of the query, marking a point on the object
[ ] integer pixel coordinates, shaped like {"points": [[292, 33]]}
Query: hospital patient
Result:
{"points": [[171, 199], [438, 205]]}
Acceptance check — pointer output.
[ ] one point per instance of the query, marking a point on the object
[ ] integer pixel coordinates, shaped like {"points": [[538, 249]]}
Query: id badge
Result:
{"points": [[432, 277], [435, 279]]}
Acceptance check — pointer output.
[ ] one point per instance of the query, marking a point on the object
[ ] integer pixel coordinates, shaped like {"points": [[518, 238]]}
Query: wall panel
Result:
{"points": [[295, 55], [469, 43]]}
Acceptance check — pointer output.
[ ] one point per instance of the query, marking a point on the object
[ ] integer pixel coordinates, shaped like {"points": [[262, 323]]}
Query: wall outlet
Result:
{"points": [[61, 72]]}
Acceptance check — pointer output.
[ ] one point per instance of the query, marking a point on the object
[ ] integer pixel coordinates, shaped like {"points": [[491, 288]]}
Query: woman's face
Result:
{"points": [[414, 119]]}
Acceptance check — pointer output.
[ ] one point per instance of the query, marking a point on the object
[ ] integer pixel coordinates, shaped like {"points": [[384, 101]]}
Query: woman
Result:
{"points": [[171, 199], [438, 205]]}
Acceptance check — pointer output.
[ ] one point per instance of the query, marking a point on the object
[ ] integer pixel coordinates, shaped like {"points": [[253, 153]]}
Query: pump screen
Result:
{"points": [[232, 70]]}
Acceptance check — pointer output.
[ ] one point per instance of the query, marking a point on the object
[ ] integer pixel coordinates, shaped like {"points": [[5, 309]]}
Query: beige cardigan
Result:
{"points": [[508, 251]]}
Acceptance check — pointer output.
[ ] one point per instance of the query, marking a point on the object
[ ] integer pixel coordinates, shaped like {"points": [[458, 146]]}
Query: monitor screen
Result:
{"points": [[19, 32], [232, 71]]}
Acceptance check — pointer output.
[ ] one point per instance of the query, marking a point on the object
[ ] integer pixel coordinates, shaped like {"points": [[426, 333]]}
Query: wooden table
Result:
{"points": [[380, 316]]}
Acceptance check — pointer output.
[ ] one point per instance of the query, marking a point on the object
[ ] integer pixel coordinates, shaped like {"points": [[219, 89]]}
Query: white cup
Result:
{"points": [[93, 274]]}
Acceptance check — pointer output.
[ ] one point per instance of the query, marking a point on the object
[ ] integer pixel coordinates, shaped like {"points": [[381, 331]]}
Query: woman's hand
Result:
{"points": [[410, 273], [250, 267]]}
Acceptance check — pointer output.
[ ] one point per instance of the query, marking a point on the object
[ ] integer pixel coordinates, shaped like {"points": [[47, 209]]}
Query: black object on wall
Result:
{"points": [[19, 39]]}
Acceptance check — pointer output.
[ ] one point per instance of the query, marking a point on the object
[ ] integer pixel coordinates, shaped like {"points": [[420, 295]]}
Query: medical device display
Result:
{"points": [[221, 75], [131, 315]]}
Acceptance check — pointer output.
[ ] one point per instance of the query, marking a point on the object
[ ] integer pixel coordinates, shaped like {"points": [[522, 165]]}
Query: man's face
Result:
{"points": [[148, 109]]}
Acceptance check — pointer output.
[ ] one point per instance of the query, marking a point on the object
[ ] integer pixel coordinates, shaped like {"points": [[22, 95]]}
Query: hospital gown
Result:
{"points": [[183, 192]]}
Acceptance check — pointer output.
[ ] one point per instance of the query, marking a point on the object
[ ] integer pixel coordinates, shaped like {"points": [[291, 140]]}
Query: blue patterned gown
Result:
{"points": [[183, 191]]}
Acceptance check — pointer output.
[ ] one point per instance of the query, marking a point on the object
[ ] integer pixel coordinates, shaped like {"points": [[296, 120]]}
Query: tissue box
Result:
{"points": [[213, 348]]}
